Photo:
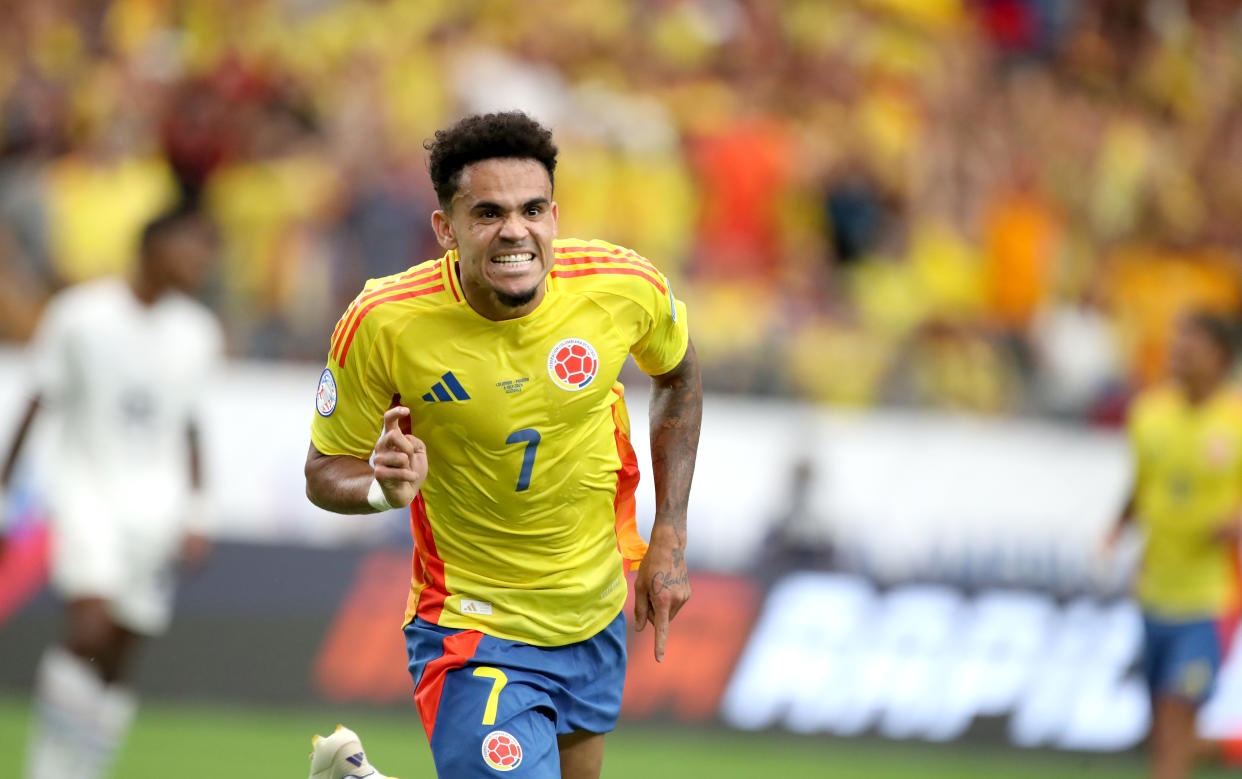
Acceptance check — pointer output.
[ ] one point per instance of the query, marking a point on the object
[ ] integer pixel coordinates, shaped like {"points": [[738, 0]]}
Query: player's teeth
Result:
{"points": [[514, 258]]}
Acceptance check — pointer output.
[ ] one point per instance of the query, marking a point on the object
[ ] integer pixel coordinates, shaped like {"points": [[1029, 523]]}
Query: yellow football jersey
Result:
{"points": [[527, 514], [1188, 461]]}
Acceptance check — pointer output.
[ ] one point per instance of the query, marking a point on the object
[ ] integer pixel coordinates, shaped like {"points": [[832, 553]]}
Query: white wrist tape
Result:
{"points": [[375, 497]]}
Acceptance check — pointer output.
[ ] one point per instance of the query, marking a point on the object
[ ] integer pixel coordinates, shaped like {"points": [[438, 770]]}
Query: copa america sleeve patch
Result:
{"points": [[325, 397]]}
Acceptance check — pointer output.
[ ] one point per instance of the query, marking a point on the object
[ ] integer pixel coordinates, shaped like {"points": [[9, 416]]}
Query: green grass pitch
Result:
{"points": [[211, 741]]}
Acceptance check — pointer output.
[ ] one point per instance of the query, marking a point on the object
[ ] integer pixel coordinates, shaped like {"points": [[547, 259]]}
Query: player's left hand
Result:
{"points": [[195, 549], [663, 584]]}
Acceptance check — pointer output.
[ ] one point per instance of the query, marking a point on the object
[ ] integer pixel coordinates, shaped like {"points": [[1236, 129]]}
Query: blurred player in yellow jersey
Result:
{"points": [[489, 378], [1186, 438]]}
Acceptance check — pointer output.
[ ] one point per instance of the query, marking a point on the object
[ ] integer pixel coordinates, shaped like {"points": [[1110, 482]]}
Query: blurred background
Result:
{"points": [[930, 250]]}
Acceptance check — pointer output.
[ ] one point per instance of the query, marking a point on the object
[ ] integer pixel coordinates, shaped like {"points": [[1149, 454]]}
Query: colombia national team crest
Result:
{"points": [[325, 396], [501, 751], [573, 364]]}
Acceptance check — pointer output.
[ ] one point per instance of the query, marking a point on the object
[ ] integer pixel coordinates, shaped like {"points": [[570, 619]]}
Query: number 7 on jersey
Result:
{"points": [[531, 438]]}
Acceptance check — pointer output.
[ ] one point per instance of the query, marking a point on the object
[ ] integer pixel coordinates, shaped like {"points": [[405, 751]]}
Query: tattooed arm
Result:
{"points": [[663, 586]]}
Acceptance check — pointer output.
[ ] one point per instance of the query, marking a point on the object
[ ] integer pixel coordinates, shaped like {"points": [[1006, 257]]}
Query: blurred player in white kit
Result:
{"points": [[121, 364]]}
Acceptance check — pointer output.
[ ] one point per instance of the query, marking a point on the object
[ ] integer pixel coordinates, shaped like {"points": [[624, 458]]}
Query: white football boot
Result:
{"points": [[340, 756]]}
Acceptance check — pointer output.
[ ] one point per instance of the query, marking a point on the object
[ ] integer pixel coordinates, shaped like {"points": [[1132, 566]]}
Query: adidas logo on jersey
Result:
{"points": [[448, 388]]}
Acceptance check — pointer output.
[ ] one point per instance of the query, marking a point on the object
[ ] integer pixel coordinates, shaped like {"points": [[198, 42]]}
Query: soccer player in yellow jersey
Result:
{"points": [[480, 389], [1186, 439]]}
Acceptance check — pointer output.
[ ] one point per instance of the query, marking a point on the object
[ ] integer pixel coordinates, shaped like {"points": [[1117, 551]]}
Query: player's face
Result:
{"points": [[501, 222], [183, 257], [1194, 357]]}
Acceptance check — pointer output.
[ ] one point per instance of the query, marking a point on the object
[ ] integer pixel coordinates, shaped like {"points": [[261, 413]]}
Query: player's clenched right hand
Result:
{"points": [[400, 460]]}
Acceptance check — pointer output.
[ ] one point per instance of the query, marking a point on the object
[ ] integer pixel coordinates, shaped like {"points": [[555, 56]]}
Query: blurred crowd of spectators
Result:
{"points": [[986, 205]]}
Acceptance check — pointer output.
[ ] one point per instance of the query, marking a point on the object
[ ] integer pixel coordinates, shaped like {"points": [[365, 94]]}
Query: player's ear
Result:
{"points": [[444, 229], [556, 214]]}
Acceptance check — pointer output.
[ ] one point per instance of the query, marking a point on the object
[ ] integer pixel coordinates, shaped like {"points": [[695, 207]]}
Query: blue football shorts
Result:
{"points": [[1181, 657], [491, 705]]}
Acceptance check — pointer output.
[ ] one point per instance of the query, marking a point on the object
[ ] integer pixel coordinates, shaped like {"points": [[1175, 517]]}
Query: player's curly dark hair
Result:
{"points": [[485, 137]]}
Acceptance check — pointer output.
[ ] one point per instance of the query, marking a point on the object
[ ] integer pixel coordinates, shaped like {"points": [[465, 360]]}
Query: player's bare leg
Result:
{"points": [[1173, 741], [582, 754], [96, 638]]}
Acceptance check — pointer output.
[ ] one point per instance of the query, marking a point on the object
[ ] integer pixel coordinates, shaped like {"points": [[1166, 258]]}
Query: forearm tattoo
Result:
{"points": [[676, 415]]}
